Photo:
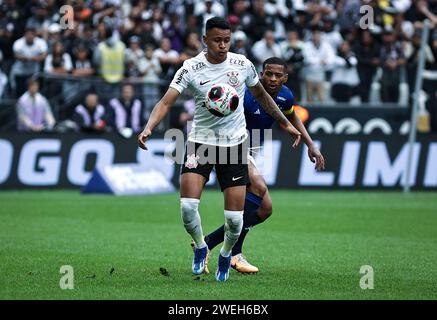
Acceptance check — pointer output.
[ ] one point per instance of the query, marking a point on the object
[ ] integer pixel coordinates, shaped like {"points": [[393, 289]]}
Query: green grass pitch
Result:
{"points": [[311, 248]]}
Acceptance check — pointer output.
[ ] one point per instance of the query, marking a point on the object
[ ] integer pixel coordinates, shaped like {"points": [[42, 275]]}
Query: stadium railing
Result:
{"points": [[64, 92]]}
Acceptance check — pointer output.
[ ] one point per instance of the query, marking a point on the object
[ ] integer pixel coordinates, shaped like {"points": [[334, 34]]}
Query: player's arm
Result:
{"points": [[313, 152], [158, 113], [269, 105]]}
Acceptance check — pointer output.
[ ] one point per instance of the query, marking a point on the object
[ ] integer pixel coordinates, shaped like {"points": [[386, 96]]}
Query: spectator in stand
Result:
{"points": [[412, 50], [39, 19], [151, 70], [319, 57], [133, 56], [90, 116], [88, 38], [158, 19], [82, 63], [241, 44], [260, 21], [193, 46], [265, 48], [240, 9], [142, 28], [29, 52], [150, 66], [367, 52], [33, 110], [12, 26], [330, 33], [58, 61], [292, 52], [82, 67], [348, 16], [109, 58], [345, 78], [392, 59], [208, 9], [315, 9], [54, 35], [127, 111], [70, 37], [168, 58], [192, 25], [175, 33]]}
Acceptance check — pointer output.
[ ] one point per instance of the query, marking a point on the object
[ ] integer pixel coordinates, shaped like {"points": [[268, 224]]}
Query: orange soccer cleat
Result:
{"points": [[239, 263]]}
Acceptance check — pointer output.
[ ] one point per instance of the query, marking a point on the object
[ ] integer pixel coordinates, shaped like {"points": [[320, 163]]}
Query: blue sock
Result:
{"points": [[215, 238], [250, 219]]}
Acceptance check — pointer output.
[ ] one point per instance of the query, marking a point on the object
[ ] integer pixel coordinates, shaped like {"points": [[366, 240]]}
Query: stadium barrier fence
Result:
{"points": [[353, 161]]}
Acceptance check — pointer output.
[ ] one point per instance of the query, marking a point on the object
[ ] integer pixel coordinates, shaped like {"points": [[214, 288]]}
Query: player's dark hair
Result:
{"points": [[217, 22], [275, 60]]}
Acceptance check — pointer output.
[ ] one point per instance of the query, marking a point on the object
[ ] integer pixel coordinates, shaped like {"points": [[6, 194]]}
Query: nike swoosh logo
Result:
{"points": [[204, 82], [235, 179]]}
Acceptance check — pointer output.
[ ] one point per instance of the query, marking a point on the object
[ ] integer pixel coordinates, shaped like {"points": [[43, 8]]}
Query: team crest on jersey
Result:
{"points": [[191, 162], [233, 78]]}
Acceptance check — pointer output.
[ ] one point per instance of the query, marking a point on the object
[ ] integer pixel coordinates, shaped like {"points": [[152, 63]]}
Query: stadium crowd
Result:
{"points": [[332, 51]]}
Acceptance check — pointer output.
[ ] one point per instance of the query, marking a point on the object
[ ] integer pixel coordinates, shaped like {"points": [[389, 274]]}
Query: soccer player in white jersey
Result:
{"points": [[215, 135]]}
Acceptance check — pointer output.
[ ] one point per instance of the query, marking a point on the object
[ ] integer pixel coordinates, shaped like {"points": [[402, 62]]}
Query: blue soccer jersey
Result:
{"points": [[257, 118]]}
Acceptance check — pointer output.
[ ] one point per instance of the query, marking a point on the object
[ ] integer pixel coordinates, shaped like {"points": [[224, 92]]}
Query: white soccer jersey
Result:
{"points": [[199, 75]]}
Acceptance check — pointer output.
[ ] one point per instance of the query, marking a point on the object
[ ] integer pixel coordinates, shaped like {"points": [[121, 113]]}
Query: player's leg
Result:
{"points": [[191, 190], [253, 199], [234, 204], [266, 208], [193, 178], [255, 212], [233, 179], [234, 208]]}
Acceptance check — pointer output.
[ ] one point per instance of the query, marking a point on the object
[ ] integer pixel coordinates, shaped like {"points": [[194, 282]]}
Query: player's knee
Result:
{"points": [[234, 220], [258, 189], [189, 209]]}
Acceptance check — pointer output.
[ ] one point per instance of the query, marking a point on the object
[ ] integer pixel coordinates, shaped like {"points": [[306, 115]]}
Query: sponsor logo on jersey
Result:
{"points": [[198, 66], [236, 62], [181, 75], [282, 98], [233, 78], [257, 112]]}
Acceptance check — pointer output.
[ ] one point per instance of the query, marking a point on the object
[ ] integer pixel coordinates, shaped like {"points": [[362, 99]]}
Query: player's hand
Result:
{"points": [[142, 137], [316, 157], [295, 133]]}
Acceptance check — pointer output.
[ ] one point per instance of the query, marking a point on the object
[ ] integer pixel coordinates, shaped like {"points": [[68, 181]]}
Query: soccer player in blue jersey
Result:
{"points": [[258, 204]]}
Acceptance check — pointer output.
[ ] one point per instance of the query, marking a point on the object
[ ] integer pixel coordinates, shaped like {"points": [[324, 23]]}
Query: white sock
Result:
{"points": [[191, 218], [233, 226]]}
